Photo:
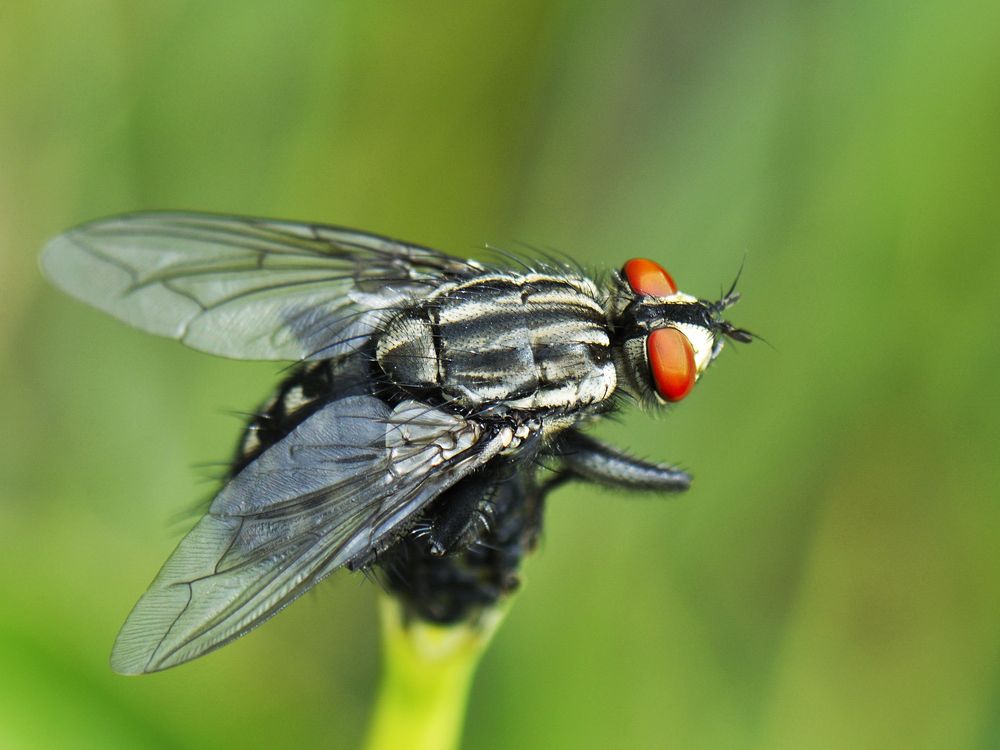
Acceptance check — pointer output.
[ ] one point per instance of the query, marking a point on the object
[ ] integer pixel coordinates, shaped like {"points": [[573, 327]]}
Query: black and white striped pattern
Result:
{"points": [[531, 343]]}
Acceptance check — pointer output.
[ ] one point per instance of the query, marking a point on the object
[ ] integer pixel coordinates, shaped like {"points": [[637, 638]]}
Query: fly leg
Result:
{"points": [[465, 514], [582, 457]]}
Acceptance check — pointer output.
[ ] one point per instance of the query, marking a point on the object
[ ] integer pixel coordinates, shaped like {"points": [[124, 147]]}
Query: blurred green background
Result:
{"points": [[833, 578]]}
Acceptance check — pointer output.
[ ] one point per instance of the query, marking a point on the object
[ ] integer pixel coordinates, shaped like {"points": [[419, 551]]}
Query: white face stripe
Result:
{"points": [[702, 342]]}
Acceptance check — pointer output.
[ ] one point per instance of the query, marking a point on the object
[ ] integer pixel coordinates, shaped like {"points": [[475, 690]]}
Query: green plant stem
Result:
{"points": [[426, 674]]}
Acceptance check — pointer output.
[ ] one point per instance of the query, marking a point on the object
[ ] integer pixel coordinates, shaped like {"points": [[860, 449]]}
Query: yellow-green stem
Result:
{"points": [[426, 674]]}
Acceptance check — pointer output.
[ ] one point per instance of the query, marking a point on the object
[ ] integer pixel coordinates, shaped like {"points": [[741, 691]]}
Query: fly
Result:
{"points": [[435, 403]]}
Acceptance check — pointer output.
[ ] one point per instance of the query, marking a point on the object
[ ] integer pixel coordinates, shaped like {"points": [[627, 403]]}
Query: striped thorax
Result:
{"points": [[530, 343]]}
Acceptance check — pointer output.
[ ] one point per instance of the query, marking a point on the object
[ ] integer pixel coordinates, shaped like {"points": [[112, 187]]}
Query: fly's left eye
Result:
{"points": [[671, 363], [648, 277]]}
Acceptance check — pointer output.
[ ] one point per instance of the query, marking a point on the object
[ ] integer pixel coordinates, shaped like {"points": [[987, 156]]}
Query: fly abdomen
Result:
{"points": [[531, 343]]}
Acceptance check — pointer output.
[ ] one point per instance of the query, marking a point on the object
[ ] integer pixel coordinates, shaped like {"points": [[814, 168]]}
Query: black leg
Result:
{"points": [[458, 586], [582, 457], [465, 515]]}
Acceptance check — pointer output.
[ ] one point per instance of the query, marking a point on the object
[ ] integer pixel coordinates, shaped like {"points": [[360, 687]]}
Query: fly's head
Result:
{"points": [[667, 338]]}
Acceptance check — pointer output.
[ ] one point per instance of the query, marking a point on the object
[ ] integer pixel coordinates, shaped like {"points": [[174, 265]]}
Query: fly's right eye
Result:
{"points": [[649, 278], [671, 363]]}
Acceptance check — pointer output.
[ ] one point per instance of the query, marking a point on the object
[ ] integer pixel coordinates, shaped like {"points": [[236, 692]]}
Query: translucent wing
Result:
{"points": [[336, 490], [244, 288]]}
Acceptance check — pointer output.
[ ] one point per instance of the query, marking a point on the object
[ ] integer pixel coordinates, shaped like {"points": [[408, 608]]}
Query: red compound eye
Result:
{"points": [[648, 277], [671, 362]]}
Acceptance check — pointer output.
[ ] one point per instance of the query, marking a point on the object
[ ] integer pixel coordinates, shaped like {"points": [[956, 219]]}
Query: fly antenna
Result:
{"points": [[731, 297], [739, 273]]}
